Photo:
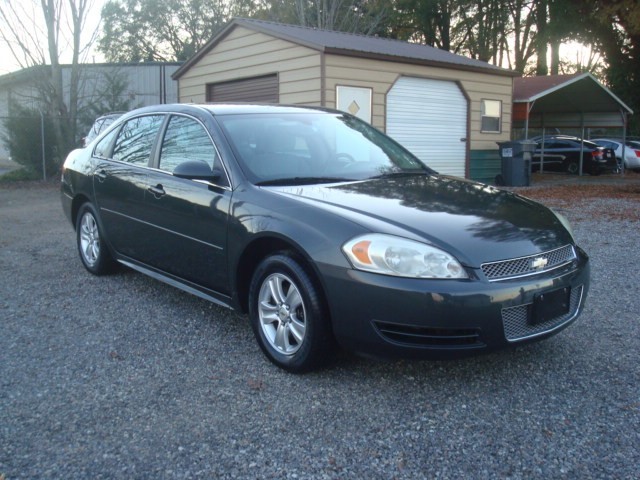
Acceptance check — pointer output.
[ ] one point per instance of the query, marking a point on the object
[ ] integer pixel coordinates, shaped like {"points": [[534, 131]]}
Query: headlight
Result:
{"points": [[565, 223], [401, 257]]}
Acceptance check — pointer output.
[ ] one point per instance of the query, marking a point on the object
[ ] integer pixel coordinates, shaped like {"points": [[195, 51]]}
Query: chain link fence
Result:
{"points": [[30, 142]]}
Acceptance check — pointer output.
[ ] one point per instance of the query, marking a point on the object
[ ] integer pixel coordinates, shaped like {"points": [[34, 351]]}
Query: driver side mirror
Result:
{"points": [[197, 170]]}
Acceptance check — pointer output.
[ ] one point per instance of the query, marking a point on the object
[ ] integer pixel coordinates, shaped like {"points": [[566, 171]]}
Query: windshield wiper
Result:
{"points": [[302, 181], [404, 173]]}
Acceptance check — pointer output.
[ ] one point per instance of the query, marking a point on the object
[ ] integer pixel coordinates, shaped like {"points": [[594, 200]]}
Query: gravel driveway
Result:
{"points": [[124, 377]]}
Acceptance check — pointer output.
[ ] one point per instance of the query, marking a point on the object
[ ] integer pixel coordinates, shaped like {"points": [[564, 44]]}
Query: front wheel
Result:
{"points": [[288, 316], [93, 252]]}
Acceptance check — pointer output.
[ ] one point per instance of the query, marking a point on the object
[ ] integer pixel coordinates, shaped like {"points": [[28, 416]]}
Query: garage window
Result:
{"points": [[491, 111]]}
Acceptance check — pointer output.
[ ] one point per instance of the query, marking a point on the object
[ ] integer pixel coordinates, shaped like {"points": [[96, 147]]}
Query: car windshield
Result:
{"points": [[298, 148]]}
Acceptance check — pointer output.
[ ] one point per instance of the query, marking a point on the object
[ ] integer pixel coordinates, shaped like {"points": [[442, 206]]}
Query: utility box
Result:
{"points": [[516, 159]]}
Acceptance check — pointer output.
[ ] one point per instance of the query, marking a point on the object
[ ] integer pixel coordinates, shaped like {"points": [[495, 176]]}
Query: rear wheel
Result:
{"points": [[573, 168], [288, 316], [93, 252]]}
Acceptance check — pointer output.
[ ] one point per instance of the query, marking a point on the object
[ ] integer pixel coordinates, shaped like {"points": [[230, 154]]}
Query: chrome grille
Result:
{"points": [[523, 266], [516, 319]]}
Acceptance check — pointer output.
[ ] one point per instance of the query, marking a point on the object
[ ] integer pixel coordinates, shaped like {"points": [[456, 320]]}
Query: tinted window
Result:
{"points": [[103, 147], [135, 140], [186, 140]]}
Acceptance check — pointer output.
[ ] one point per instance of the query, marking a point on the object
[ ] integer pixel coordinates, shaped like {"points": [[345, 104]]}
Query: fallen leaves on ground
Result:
{"points": [[617, 198]]}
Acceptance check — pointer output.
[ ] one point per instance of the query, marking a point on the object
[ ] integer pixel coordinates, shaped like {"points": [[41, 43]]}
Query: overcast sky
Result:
{"points": [[9, 64]]}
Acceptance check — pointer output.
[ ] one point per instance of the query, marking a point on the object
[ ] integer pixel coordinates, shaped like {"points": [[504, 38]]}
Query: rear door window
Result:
{"points": [[136, 138]]}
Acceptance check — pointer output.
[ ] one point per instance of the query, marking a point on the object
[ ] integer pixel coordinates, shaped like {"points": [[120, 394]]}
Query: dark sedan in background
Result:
{"points": [[561, 153], [324, 230], [100, 125]]}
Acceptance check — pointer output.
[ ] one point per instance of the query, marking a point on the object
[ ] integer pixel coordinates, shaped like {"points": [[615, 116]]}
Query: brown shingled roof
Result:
{"points": [[525, 88], [353, 44], [580, 92]]}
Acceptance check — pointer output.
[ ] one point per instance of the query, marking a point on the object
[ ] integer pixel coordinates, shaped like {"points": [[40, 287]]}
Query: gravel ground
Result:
{"points": [[124, 377]]}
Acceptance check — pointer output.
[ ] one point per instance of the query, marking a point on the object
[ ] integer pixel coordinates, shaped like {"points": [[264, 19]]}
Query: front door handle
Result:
{"points": [[101, 175], [157, 191]]}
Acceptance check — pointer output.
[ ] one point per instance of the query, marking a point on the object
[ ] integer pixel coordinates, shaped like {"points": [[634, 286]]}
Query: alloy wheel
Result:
{"points": [[282, 313], [89, 239]]}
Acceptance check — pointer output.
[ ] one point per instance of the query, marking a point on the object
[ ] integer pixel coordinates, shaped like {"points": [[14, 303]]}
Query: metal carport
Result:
{"points": [[566, 101]]}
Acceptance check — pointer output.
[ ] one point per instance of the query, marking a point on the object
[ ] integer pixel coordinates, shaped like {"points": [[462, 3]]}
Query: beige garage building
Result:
{"points": [[447, 109]]}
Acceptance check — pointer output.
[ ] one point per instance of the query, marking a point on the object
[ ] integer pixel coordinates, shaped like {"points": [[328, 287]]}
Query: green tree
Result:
{"points": [[159, 30], [356, 16], [483, 24], [523, 20], [425, 21], [497, 31], [110, 95], [613, 27], [23, 138]]}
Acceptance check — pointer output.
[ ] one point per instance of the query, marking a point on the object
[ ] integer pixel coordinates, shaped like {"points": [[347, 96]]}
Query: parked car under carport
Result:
{"points": [[562, 153], [631, 151]]}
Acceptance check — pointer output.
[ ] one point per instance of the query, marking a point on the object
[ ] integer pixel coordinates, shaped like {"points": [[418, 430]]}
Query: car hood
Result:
{"points": [[475, 222]]}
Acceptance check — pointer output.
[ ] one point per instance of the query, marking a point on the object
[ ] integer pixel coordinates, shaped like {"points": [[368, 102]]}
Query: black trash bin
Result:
{"points": [[516, 163]]}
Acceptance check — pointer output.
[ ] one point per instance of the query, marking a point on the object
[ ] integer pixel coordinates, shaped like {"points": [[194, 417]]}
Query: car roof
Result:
{"points": [[558, 137], [569, 138], [627, 142], [230, 108], [110, 114], [242, 108]]}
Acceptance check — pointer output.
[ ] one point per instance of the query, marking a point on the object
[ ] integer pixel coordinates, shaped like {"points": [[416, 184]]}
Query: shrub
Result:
{"points": [[23, 139], [21, 175]]}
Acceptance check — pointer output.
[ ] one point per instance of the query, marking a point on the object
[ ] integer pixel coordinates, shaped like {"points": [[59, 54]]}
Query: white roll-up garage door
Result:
{"points": [[429, 117]]}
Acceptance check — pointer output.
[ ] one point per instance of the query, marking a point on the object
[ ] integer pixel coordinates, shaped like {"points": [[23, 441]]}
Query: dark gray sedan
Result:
{"points": [[324, 230]]}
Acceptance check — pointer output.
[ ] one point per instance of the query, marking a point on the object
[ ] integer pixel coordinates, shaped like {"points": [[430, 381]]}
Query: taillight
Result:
{"points": [[596, 154], [637, 153]]}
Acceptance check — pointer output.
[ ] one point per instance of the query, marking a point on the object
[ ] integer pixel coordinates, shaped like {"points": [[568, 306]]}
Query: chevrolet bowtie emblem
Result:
{"points": [[539, 263]]}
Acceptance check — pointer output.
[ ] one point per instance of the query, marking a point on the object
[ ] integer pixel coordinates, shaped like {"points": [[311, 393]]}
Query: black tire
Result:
{"points": [[573, 168], [288, 315], [94, 254]]}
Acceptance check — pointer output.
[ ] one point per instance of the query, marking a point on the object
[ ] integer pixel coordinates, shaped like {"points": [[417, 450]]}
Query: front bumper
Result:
{"points": [[399, 317]]}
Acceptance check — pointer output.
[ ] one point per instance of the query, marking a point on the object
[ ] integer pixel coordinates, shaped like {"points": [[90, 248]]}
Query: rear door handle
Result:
{"points": [[157, 191], [101, 175]]}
